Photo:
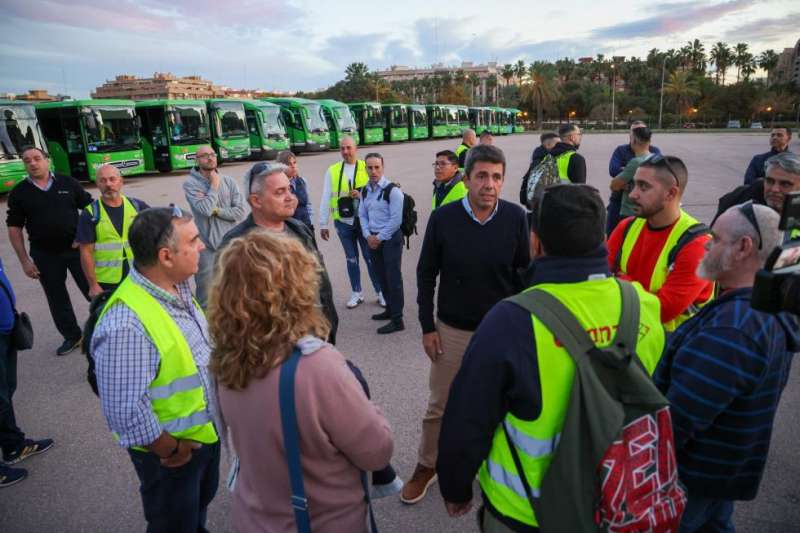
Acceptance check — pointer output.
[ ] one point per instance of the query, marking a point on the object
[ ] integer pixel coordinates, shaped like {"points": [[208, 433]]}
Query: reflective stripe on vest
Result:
{"points": [[111, 249], [563, 165], [176, 393], [597, 306], [457, 192], [662, 269], [361, 180]]}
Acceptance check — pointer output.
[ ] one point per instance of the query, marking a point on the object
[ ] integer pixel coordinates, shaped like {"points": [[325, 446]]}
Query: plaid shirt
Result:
{"points": [[127, 362]]}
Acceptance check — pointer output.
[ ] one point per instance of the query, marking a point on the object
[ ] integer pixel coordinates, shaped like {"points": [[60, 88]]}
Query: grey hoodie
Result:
{"points": [[202, 200]]}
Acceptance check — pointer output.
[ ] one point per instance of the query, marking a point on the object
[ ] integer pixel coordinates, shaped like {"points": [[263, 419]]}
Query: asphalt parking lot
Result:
{"points": [[87, 483]]}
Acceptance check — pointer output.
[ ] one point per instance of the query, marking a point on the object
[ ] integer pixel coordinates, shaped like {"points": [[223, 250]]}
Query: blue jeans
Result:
{"points": [[11, 438], [351, 241], [176, 500], [707, 516], [387, 259]]}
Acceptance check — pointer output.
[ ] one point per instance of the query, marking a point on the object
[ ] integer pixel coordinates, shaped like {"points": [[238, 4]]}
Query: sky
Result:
{"points": [[73, 46]]}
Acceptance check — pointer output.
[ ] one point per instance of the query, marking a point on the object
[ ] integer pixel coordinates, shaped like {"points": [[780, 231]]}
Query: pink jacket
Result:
{"points": [[341, 433]]}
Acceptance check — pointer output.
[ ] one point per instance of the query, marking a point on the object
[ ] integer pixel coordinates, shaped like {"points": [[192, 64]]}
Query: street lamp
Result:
{"points": [[661, 98], [613, 92], [571, 115]]}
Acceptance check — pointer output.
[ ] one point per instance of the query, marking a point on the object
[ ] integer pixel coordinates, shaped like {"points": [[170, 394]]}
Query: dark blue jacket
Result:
{"points": [[756, 169], [302, 213], [6, 305], [723, 372], [622, 156]]}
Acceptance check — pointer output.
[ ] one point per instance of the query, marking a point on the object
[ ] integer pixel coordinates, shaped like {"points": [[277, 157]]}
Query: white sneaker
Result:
{"points": [[381, 301], [382, 491], [355, 299]]}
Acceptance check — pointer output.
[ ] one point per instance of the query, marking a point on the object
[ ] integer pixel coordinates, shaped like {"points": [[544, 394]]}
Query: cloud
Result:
{"points": [[680, 18], [766, 29], [126, 15]]}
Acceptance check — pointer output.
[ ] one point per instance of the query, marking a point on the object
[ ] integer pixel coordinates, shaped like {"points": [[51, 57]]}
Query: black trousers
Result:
{"points": [[53, 269], [176, 500], [11, 438], [387, 259]]}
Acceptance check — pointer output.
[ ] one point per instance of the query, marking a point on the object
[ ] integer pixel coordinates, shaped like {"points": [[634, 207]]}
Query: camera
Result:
{"points": [[777, 286]]}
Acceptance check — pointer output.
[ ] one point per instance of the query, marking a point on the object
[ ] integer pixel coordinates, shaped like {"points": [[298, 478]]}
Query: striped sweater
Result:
{"points": [[723, 372]]}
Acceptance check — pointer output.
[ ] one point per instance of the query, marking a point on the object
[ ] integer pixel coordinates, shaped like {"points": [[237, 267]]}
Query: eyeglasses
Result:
{"points": [[176, 213], [440, 164], [749, 213], [657, 160]]}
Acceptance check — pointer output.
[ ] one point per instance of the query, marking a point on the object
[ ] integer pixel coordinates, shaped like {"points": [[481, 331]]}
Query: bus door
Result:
{"points": [[155, 137], [74, 141]]}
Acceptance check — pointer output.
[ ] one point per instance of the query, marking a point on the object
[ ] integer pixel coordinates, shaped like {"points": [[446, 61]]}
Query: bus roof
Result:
{"points": [[261, 104], [158, 102], [289, 101], [327, 102], [393, 105], [365, 104], [416, 106], [82, 103], [20, 103]]}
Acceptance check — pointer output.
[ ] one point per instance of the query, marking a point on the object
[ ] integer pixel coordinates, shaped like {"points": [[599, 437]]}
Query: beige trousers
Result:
{"points": [[443, 371]]}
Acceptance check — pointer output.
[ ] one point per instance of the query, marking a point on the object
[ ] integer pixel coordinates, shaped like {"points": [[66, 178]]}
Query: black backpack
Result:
{"points": [[95, 309], [409, 223]]}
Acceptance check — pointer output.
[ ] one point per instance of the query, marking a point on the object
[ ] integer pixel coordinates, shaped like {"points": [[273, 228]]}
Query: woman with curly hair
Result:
{"points": [[265, 302]]}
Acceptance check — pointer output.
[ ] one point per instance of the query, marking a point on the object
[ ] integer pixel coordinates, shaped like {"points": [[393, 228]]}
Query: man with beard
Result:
{"points": [[723, 372], [662, 245], [779, 140], [217, 205], [102, 233]]}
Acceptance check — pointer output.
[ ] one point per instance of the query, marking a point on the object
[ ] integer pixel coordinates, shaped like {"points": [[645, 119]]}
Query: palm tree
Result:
{"points": [[491, 88], [565, 68], [474, 79], [768, 60], [697, 55], [740, 58], [508, 72], [520, 70], [538, 90], [749, 65], [356, 71], [721, 56], [682, 87]]}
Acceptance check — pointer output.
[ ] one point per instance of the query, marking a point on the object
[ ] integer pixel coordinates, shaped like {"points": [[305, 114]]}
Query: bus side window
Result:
{"points": [[72, 130]]}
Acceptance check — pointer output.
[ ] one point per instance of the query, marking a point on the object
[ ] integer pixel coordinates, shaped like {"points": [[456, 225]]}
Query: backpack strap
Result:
{"points": [[291, 441], [95, 212], [388, 191], [691, 233]]}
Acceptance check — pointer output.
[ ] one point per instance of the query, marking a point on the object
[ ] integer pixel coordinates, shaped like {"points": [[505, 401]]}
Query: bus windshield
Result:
{"points": [[439, 116], [188, 124], [420, 116], [463, 115], [344, 117], [399, 117], [110, 129], [315, 118], [18, 129], [230, 120], [373, 117], [453, 113], [273, 123]]}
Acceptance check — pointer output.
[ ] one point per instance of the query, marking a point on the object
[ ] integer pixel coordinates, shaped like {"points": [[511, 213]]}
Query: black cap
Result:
{"points": [[570, 220]]}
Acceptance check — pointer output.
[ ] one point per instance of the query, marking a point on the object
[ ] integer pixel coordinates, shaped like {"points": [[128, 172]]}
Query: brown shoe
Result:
{"points": [[417, 487]]}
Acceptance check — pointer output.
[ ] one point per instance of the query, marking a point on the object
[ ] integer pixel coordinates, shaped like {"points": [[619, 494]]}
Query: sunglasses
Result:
{"points": [[176, 213], [660, 160], [749, 213]]}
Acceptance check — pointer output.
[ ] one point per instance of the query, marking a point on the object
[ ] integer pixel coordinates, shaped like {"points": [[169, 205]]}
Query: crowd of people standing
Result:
{"points": [[249, 357]]}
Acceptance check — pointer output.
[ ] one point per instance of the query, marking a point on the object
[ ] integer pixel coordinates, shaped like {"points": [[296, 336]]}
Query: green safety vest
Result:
{"points": [[334, 171], [110, 248], [662, 268], [460, 150], [457, 192], [563, 164], [176, 393], [597, 305]]}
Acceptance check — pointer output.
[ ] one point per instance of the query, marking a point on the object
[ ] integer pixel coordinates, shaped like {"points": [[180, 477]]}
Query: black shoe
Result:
{"points": [[11, 476], [391, 327], [68, 346], [386, 315], [29, 448]]}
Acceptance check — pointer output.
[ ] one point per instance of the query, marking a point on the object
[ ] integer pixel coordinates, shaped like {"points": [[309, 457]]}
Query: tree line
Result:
{"points": [[699, 88]]}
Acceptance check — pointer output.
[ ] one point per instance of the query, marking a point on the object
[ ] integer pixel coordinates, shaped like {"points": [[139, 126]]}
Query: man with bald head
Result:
{"points": [[342, 186], [103, 233], [661, 246], [217, 206], [468, 140]]}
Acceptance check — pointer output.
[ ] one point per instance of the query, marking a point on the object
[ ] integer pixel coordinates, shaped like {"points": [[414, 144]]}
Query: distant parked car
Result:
{"points": [[756, 126], [690, 125], [734, 124]]}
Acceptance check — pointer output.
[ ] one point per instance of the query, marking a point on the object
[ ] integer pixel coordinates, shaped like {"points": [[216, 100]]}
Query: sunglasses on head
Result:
{"points": [[660, 160], [749, 213], [176, 213]]}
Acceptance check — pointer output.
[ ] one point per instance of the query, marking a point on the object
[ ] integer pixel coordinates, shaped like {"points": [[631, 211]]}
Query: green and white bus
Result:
{"points": [[340, 121], [266, 129], [503, 119], [370, 121], [19, 129], [417, 122], [481, 119], [305, 123], [172, 131], [515, 121], [229, 135], [396, 126], [438, 117], [85, 134], [462, 119]]}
